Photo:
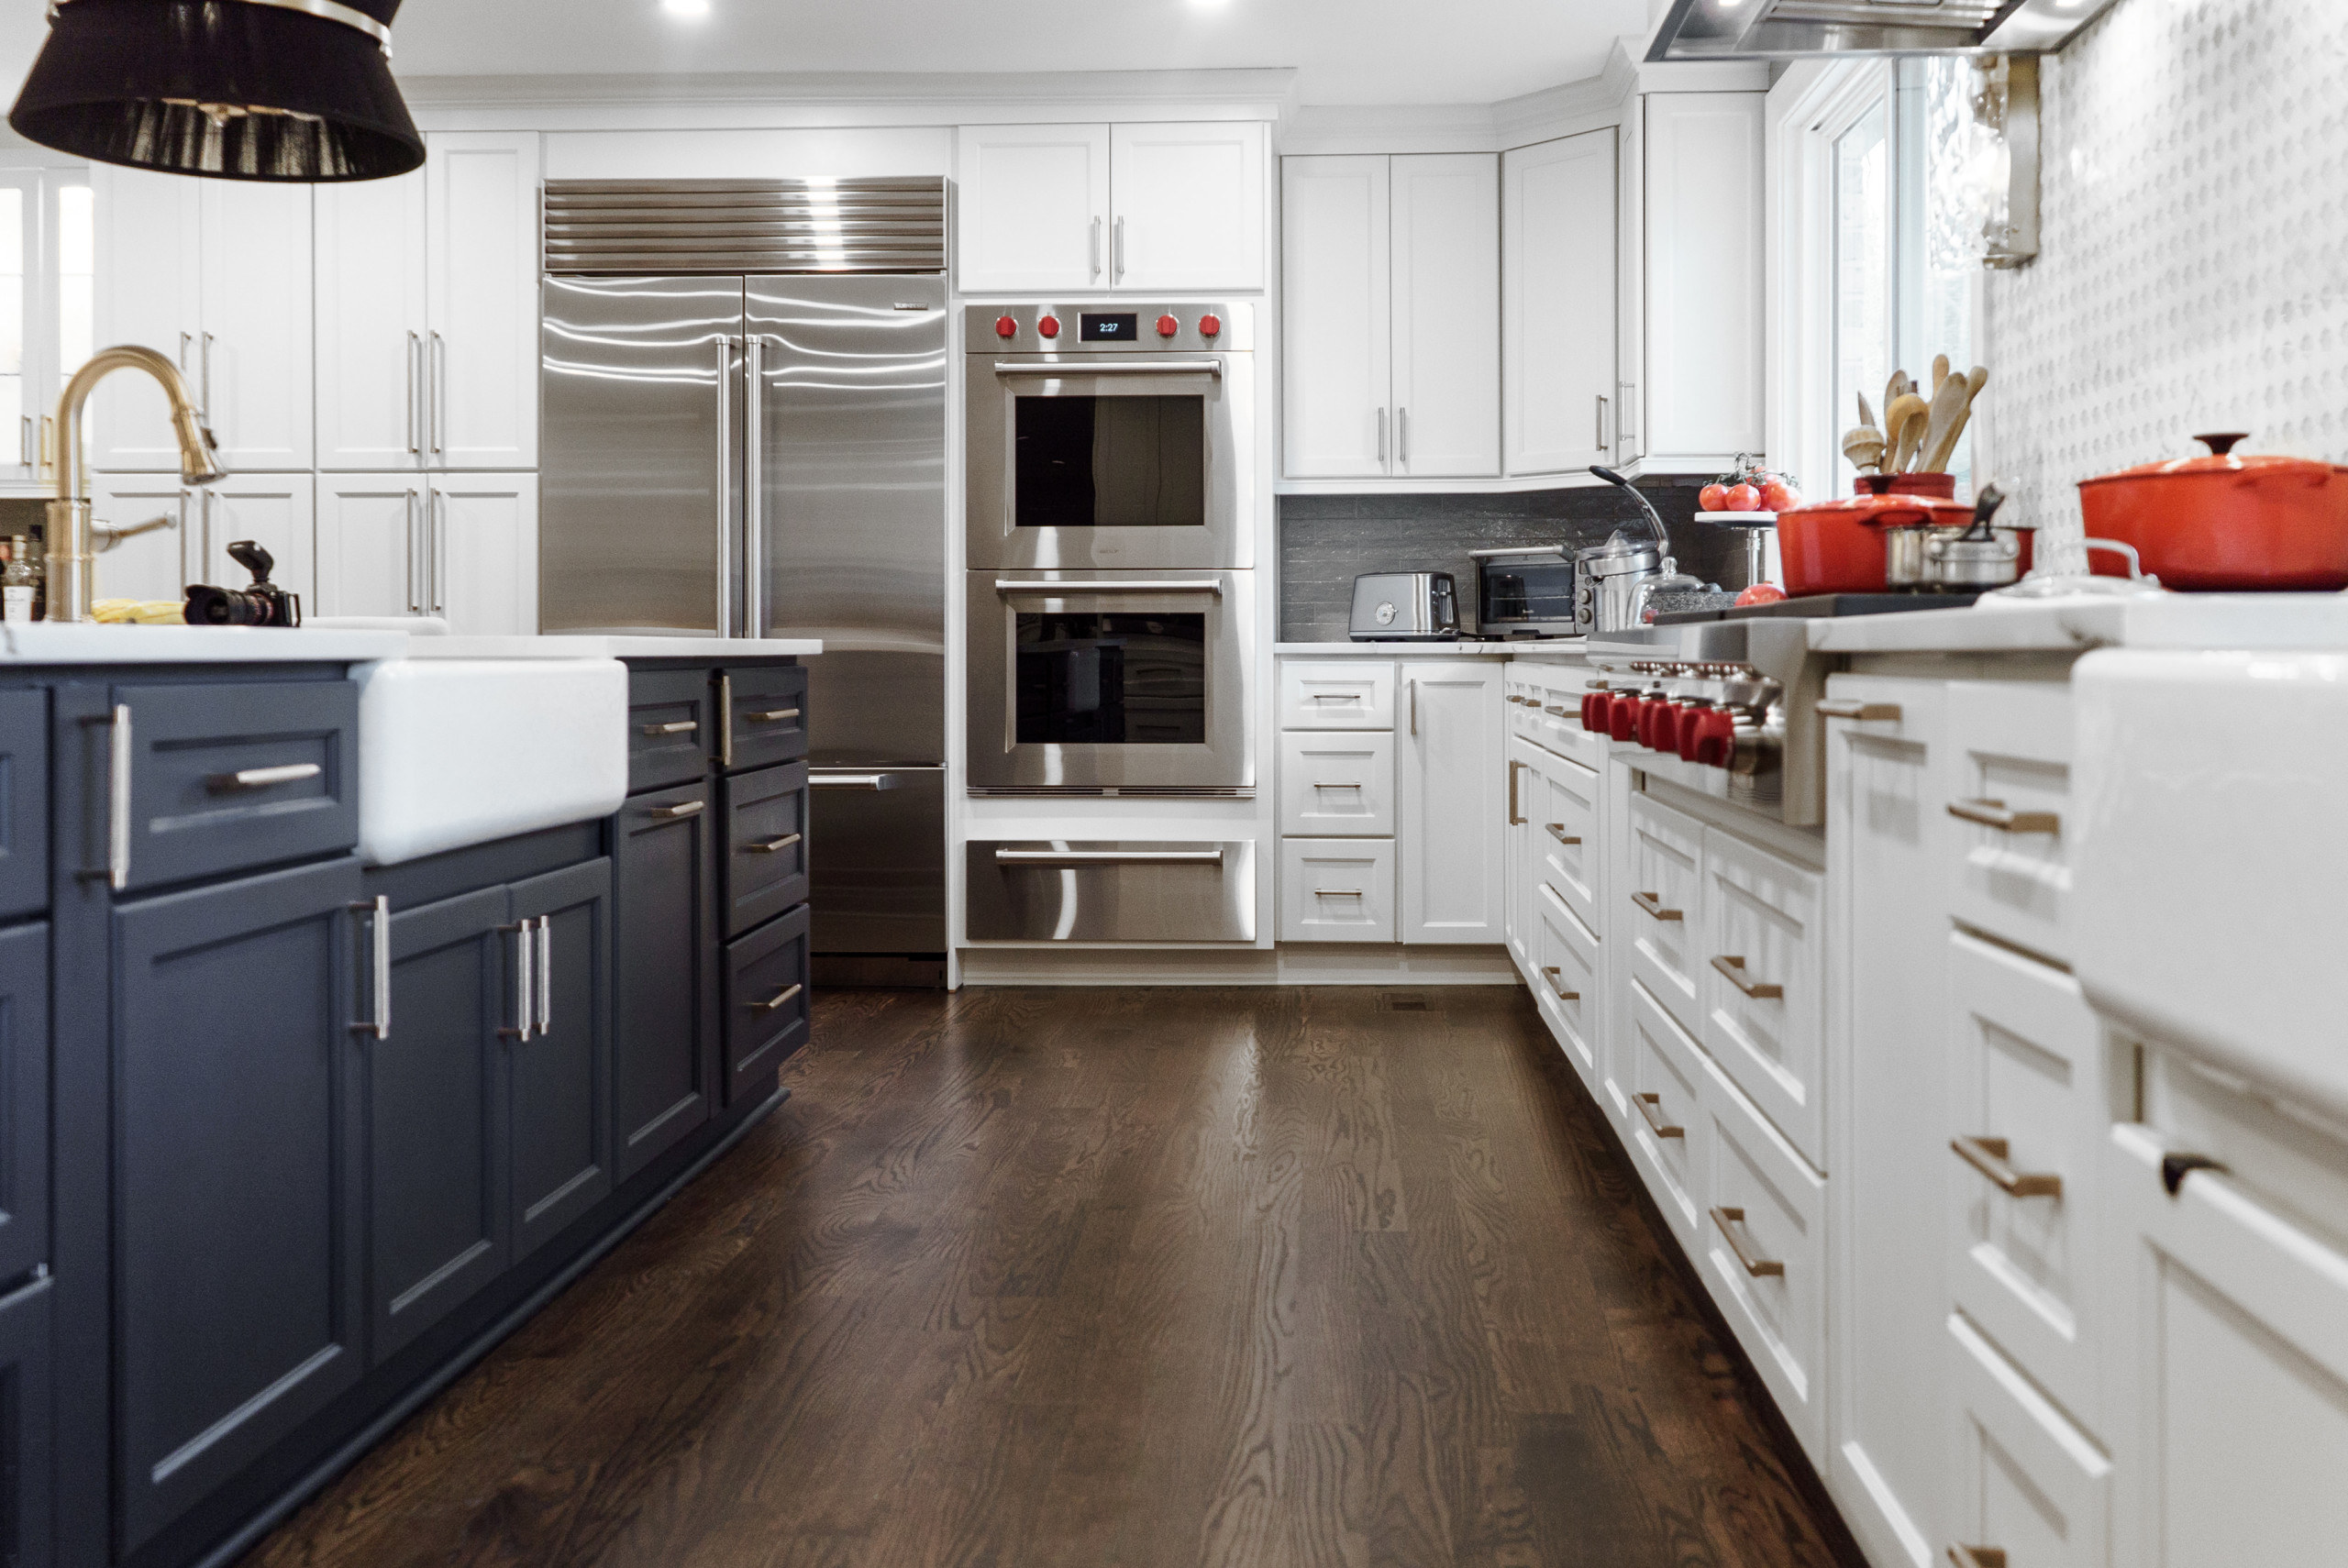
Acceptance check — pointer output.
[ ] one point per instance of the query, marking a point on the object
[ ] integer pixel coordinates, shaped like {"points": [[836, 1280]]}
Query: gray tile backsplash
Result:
{"points": [[1327, 540]]}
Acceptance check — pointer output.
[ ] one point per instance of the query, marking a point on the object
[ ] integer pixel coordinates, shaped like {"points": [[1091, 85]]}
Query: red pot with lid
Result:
{"points": [[2225, 521], [1836, 546]]}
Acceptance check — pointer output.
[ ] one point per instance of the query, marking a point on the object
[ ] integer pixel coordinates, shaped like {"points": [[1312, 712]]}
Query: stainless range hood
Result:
{"points": [[1802, 29]]}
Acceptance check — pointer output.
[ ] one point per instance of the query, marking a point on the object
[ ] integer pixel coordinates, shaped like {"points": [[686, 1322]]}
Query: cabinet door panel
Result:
{"points": [[1446, 239], [765, 845], [371, 324], [236, 1296], [1568, 987], [2010, 749], [481, 196], [1335, 318], [371, 557], [1035, 208], [1761, 919], [767, 1004], [1666, 905], [278, 513], [2024, 1480], [1336, 889], [24, 802], [1564, 807], [158, 565], [433, 1092], [148, 257], [23, 1100], [254, 364], [1187, 206], [1337, 785], [1452, 784], [1667, 1120], [663, 1019], [1704, 229], [484, 553], [26, 1509], [1558, 302], [561, 1127]]}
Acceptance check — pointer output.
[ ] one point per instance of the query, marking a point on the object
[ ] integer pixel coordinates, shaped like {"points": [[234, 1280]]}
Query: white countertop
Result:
{"points": [[88, 643], [599, 646], [2172, 621], [1422, 650]]}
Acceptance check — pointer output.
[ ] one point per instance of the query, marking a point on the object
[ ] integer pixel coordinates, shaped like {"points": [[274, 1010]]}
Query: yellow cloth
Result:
{"points": [[139, 612]]}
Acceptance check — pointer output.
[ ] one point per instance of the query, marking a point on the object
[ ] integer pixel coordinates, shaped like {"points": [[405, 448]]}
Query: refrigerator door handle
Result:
{"points": [[725, 573], [753, 548]]}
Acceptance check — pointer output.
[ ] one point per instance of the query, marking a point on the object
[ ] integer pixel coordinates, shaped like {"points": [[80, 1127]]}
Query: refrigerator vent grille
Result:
{"points": [[746, 226]]}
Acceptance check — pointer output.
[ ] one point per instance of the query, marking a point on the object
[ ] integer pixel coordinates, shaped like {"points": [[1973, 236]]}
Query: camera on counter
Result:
{"points": [[262, 604]]}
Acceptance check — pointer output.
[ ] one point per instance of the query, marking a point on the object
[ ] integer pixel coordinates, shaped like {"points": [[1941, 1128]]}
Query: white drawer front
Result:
{"points": [[1764, 1253], [2026, 1093], [1763, 972], [1336, 889], [1666, 915], [2023, 1481], [2011, 800], [1337, 784], [1666, 1125], [1568, 981], [1336, 694], [1562, 801]]}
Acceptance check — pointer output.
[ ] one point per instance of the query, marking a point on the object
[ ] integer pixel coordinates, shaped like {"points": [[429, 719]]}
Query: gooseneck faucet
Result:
{"points": [[68, 531]]}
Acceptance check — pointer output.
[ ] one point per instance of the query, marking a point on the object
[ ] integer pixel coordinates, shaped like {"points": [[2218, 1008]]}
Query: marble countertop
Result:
{"points": [[1428, 650], [2075, 625], [88, 643], [597, 646]]}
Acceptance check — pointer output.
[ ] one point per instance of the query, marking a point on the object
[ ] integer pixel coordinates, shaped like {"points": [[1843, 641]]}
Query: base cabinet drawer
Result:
{"points": [[1561, 797], [2023, 1481], [764, 715], [2010, 745], [23, 1100], [1336, 889], [1667, 1119], [664, 994], [1033, 890], [671, 728], [24, 802], [765, 845], [1571, 975], [1763, 981], [25, 1436], [767, 1004], [1665, 915], [1337, 785], [1336, 694]]}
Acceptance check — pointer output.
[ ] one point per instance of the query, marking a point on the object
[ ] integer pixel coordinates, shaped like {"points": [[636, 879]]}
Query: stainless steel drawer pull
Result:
{"points": [[779, 1000], [680, 727], [1557, 830], [119, 757], [1978, 1556], [546, 974], [1108, 857], [379, 912], [684, 808], [1654, 905], [851, 780], [773, 845], [1840, 708], [263, 778], [1731, 1221], [1987, 1155], [1557, 984], [1114, 367], [525, 991], [1333, 784], [1057, 589], [771, 715], [1993, 814], [1338, 697], [1336, 892], [1732, 967], [1651, 1110]]}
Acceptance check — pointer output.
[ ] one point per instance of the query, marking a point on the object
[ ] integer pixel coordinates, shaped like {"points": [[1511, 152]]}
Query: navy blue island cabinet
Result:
{"points": [[288, 1141]]}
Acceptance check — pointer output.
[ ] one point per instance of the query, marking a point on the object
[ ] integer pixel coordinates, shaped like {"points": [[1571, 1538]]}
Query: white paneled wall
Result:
{"points": [[2190, 276]]}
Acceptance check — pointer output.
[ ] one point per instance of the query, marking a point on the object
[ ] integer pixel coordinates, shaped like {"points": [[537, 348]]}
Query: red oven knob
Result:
{"points": [[1622, 718], [1663, 726], [1048, 325], [1210, 326], [1692, 729], [1652, 718], [1593, 711], [1716, 738], [1167, 326], [1004, 326]]}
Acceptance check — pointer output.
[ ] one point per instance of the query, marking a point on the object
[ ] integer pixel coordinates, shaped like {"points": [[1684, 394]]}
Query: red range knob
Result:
{"points": [[1652, 717], [1167, 326], [1691, 730], [1593, 711], [1048, 325], [1210, 326], [1004, 326], [1661, 731], [1716, 738], [1622, 718]]}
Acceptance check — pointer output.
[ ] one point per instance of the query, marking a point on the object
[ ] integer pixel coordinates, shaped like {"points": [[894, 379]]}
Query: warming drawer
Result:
{"points": [[1100, 890]]}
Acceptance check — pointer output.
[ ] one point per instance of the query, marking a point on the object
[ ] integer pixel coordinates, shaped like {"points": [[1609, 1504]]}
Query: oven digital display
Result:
{"points": [[1100, 327]]}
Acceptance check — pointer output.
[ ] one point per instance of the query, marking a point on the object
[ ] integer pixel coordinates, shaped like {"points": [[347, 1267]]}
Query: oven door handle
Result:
{"points": [[1108, 857], [1006, 587], [1114, 368]]}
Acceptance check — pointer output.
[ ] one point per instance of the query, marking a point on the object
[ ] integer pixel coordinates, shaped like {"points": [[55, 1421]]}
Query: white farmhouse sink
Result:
{"points": [[2212, 858], [454, 751]]}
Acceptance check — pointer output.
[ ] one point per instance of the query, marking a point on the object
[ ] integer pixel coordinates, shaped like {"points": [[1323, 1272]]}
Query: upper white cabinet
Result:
{"points": [[1557, 304], [1630, 288], [215, 274], [429, 312], [1141, 208], [1390, 359], [460, 547], [1702, 304]]}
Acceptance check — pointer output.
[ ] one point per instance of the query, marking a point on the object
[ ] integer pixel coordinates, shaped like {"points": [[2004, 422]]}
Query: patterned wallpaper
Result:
{"points": [[2193, 265]]}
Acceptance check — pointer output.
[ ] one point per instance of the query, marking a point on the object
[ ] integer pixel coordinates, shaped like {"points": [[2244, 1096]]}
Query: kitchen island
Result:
{"points": [[304, 1122]]}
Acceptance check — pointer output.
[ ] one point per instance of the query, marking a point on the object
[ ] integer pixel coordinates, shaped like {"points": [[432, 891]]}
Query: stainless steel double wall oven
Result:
{"points": [[1112, 590]]}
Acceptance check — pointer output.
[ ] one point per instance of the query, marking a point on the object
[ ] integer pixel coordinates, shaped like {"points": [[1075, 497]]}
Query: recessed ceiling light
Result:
{"points": [[693, 8]]}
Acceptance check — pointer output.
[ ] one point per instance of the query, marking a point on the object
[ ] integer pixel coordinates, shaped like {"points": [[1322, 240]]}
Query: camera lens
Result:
{"points": [[210, 606]]}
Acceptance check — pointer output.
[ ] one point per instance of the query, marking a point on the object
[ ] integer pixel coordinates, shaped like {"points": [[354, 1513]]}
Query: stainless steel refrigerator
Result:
{"points": [[761, 452]]}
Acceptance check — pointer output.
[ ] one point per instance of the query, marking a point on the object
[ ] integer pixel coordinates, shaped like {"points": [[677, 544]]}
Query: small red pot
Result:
{"points": [[2225, 523], [1836, 546]]}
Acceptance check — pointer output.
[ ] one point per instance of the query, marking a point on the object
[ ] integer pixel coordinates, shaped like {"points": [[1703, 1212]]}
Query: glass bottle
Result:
{"points": [[21, 581]]}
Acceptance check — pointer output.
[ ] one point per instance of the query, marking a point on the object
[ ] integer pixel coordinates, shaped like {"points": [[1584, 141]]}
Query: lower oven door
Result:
{"points": [[1133, 681], [1065, 890]]}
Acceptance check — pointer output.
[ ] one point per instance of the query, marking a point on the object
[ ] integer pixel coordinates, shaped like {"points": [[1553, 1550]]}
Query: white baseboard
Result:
{"points": [[1299, 963]]}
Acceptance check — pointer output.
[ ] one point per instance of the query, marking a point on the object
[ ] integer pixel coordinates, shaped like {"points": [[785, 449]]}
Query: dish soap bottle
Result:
{"points": [[21, 581]]}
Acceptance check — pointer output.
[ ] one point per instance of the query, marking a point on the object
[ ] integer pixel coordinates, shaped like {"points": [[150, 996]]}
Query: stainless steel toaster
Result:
{"points": [[1405, 607]]}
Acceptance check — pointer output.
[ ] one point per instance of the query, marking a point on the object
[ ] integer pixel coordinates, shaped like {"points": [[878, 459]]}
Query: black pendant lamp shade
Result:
{"points": [[232, 89]]}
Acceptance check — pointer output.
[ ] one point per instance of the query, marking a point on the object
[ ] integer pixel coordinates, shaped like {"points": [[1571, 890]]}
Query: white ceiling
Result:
{"points": [[1345, 52]]}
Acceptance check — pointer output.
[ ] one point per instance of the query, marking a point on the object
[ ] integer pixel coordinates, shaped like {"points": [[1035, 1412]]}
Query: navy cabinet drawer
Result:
{"points": [[24, 802], [766, 1003], [671, 728], [25, 1436], [24, 1099], [227, 778], [767, 711], [765, 845]]}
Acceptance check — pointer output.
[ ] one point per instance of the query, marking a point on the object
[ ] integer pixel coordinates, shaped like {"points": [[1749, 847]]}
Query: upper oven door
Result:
{"points": [[1087, 461], [1111, 681]]}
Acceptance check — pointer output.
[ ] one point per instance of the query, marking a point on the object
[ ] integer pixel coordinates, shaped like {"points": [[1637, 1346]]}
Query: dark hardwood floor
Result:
{"points": [[1242, 1279]]}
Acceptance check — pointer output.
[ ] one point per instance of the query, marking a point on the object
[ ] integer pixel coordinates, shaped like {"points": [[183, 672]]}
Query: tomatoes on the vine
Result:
{"points": [[1742, 497], [1713, 497]]}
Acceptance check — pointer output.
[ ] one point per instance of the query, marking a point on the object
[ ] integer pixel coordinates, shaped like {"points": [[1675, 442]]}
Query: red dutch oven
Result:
{"points": [[2225, 522], [1836, 546]]}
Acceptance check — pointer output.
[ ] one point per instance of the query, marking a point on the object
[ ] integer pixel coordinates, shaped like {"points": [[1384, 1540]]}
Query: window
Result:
{"points": [[48, 294]]}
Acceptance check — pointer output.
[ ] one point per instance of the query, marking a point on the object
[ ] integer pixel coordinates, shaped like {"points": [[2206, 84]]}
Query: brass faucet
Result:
{"points": [[68, 529]]}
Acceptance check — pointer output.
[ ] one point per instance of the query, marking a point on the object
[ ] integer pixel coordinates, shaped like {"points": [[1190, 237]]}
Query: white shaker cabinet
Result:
{"points": [[1449, 754], [277, 511], [153, 565], [1444, 261], [1703, 298], [371, 324], [1630, 299], [1557, 304], [372, 550], [484, 536], [1034, 208], [1337, 317]]}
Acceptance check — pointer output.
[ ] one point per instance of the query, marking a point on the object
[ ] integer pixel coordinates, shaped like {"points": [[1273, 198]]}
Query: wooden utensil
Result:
{"points": [[1863, 444], [1894, 390], [1938, 453], [1867, 414], [1939, 372], [1939, 433], [1903, 431]]}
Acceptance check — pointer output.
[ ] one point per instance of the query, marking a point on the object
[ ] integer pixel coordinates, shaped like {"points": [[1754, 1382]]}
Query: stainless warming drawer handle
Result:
{"points": [[1116, 367], [263, 778], [1003, 585], [852, 780], [1108, 857]]}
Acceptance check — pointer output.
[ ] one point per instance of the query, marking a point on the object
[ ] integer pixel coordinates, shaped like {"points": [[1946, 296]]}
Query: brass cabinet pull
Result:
{"points": [[772, 716], [1842, 708], [263, 778], [1653, 904], [779, 999], [681, 727], [1555, 974], [1993, 814], [1515, 816], [1729, 1221], [1651, 1109], [1978, 1556], [1733, 968], [1987, 1155], [1555, 708], [686, 809], [1557, 830], [773, 845]]}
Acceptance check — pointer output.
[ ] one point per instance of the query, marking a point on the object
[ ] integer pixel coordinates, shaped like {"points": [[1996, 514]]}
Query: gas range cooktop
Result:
{"points": [[1825, 606]]}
